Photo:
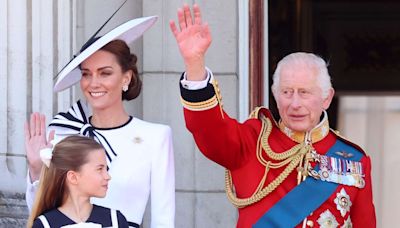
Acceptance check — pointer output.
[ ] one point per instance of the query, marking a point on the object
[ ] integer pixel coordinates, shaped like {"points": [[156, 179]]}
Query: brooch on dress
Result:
{"points": [[137, 140]]}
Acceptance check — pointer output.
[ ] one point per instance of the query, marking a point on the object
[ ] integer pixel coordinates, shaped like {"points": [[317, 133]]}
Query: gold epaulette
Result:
{"points": [[254, 113], [207, 104], [337, 133]]}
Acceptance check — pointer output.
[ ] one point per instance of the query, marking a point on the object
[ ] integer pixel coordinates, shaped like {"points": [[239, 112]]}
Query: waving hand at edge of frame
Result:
{"points": [[35, 140]]}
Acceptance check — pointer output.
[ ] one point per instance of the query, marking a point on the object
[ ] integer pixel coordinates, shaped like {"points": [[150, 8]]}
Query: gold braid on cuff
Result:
{"points": [[207, 104], [200, 106]]}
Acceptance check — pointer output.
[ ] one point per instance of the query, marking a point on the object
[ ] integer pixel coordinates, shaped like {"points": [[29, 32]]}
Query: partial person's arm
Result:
{"points": [[220, 138], [35, 140], [163, 181], [31, 188], [363, 210], [196, 85]]}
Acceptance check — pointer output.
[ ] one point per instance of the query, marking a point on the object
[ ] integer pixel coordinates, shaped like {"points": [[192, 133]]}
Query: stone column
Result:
{"points": [[66, 47], [14, 67], [200, 194], [33, 34]]}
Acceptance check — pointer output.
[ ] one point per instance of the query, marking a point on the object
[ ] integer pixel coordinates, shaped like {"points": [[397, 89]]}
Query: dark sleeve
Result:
{"points": [[122, 223], [37, 224]]}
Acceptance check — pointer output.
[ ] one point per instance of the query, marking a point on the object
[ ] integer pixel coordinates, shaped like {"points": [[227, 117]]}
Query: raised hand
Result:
{"points": [[193, 40], [35, 140]]}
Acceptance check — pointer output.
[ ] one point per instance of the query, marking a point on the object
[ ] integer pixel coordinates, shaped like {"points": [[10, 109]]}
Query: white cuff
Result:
{"points": [[31, 189], [195, 85], [29, 180]]}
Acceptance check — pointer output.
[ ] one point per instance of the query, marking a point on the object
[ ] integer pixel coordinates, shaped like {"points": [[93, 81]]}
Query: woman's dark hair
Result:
{"points": [[127, 61]]}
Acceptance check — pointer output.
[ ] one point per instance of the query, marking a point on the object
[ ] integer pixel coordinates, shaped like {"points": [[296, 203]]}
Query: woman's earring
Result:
{"points": [[125, 88]]}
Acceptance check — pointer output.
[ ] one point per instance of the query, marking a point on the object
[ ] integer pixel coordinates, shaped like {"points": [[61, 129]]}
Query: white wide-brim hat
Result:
{"points": [[128, 32]]}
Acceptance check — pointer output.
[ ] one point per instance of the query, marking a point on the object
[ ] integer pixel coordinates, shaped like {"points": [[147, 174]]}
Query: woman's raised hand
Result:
{"points": [[193, 40], [35, 140]]}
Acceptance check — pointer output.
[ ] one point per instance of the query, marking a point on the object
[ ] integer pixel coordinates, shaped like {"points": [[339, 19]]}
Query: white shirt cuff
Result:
{"points": [[31, 189], [29, 181], [195, 85]]}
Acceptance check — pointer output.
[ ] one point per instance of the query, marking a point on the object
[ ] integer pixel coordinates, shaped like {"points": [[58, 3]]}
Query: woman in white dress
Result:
{"points": [[139, 154]]}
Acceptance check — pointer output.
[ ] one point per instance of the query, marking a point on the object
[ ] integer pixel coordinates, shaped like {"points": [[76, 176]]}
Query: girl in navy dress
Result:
{"points": [[75, 170]]}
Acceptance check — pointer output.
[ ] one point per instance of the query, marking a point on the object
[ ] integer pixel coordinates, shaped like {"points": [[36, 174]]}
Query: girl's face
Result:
{"points": [[102, 80], [92, 178]]}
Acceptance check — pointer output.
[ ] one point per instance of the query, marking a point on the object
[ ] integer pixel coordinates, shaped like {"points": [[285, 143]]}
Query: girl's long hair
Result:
{"points": [[69, 154]]}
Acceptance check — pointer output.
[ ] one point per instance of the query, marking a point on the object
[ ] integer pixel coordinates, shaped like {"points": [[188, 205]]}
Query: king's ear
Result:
{"points": [[328, 99]]}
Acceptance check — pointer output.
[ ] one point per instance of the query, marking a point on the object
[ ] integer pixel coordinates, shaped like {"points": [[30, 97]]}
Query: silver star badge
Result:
{"points": [[343, 202], [347, 223], [327, 220]]}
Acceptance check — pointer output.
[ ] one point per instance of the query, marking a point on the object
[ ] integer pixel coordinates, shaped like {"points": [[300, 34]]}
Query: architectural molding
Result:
{"points": [[243, 56]]}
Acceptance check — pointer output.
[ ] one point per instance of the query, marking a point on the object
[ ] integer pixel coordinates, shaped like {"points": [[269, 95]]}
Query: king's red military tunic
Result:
{"points": [[233, 145]]}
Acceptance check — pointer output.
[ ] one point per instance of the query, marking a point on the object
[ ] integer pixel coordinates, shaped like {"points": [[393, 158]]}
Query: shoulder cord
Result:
{"points": [[292, 158]]}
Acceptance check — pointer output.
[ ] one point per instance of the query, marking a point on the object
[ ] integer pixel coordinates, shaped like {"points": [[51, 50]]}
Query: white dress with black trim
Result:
{"points": [[140, 161]]}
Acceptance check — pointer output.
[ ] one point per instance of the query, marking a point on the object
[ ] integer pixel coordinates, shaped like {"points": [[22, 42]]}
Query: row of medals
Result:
{"points": [[337, 170]]}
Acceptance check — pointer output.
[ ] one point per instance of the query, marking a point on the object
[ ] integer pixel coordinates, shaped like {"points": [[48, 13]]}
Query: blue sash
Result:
{"points": [[304, 198]]}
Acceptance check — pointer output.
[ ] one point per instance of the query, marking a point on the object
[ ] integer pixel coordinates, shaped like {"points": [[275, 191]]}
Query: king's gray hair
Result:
{"points": [[305, 59]]}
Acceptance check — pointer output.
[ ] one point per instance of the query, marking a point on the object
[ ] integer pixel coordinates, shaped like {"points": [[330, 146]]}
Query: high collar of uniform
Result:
{"points": [[316, 134]]}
